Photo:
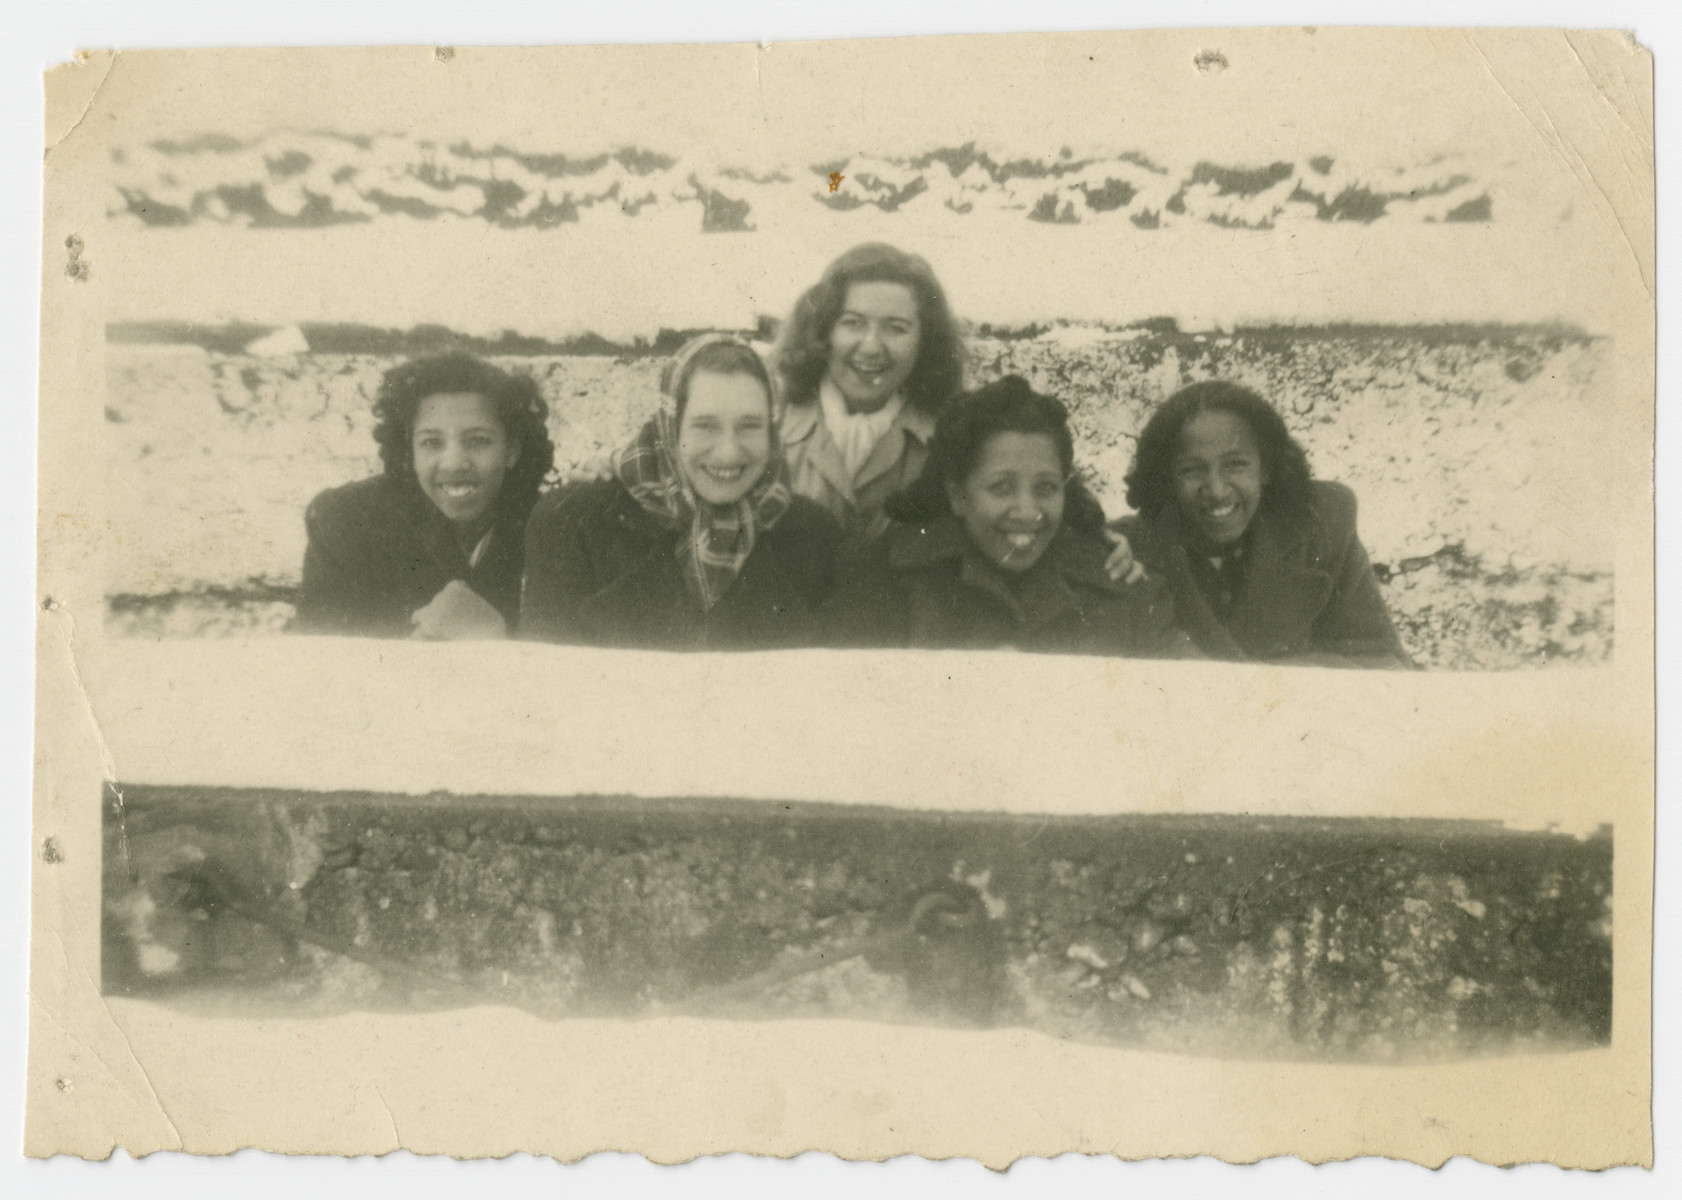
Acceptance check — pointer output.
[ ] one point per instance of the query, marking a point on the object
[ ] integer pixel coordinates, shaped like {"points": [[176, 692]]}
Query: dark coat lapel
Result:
{"points": [[1283, 593], [1191, 610], [890, 451]]}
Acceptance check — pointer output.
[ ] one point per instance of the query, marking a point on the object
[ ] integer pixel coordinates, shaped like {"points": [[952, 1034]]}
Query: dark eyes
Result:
{"points": [[1042, 489], [852, 322], [1192, 470], [479, 441], [709, 425]]}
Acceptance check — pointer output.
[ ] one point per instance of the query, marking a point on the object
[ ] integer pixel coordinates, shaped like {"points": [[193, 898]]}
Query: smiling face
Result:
{"points": [[724, 440], [1012, 503], [1218, 476], [874, 343], [462, 452]]}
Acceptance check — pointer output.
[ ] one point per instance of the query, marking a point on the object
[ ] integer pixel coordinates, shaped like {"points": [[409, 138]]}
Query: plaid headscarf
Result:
{"points": [[714, 540]]}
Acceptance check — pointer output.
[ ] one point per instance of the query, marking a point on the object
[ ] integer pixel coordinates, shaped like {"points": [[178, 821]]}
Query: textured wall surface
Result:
{"points": [[1342, 939], [1464, 446]]}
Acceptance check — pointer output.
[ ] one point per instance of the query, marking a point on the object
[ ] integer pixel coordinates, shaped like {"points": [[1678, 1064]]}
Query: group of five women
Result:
{"points": [[877, 505]]}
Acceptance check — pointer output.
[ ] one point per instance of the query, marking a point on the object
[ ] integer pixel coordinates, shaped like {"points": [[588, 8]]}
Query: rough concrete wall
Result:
{"points": [[1464, 447], [1343, 939]]}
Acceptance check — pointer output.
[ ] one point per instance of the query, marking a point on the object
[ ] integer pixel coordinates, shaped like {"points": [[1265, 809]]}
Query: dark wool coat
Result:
{"points": [[379, 550], [1308, 589], [927, 586], [602, 571]]}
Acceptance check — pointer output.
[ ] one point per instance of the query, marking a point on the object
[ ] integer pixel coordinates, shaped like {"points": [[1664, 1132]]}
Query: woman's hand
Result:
{"points": [[590, 471], [458, 614], [1121, 566]]}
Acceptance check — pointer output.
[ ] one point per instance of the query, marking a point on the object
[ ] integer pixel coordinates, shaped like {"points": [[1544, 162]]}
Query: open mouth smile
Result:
{"points": [[1019, 543], [873, 373]]}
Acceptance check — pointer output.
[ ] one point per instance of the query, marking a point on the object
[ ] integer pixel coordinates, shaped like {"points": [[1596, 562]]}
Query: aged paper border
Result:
{"points": [[1622, 628]]}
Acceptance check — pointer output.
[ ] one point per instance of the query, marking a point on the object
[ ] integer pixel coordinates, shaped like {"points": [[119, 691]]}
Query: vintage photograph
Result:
{"points": [[1117, 556], [1067, 448]]}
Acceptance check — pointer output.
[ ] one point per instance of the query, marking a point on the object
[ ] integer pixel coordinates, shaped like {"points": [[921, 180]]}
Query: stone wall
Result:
{"points": [[1351, 939]]}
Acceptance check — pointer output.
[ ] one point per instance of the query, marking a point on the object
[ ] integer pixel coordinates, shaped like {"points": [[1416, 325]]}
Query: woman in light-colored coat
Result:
{"points": [[868, 358]]}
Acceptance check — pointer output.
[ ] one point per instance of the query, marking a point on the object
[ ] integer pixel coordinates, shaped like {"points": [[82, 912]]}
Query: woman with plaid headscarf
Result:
{"points": [[696, 542]]}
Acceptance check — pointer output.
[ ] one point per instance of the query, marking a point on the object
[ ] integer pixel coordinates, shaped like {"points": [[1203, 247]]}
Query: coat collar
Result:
{"points": [[1283, 593], [804, 423], [439, 536], [1045, 594], [911, 423]]}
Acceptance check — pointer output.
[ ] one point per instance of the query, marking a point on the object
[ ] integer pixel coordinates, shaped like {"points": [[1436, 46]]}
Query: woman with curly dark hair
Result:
{"points": [[997, 544], [1263, 560], [434, 547], [868, 358]]}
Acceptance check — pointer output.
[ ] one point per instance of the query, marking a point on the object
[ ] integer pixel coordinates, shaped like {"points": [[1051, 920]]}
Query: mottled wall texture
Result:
{"points": [[1464, 445], [1352, 939]]}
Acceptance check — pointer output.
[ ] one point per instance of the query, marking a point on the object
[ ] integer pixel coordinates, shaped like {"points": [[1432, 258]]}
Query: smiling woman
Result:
{"points": [[696, 541], [996, 545], [868, 358], [433, 548], [1263, 560]]}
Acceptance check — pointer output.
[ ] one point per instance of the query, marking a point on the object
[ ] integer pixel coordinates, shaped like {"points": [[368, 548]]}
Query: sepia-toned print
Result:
{"points": [[950, 596]]}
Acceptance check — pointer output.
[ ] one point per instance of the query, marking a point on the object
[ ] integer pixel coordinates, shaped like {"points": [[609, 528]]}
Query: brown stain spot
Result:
{"points": [[50, 852], [835, 178], [443, 54], [1208, 62], [76, 268], [64, 1085]]}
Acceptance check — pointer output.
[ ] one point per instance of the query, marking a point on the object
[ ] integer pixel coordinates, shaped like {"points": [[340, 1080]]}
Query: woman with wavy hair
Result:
{"points": [[868, 358], [998, 545], [434, 547], [1263, 560], [695, 540]]}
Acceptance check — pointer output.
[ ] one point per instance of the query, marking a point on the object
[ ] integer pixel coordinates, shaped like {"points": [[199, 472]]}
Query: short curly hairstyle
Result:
{"points": [[802, 353], [1007, 405], [1150, 481], [518, 403]]}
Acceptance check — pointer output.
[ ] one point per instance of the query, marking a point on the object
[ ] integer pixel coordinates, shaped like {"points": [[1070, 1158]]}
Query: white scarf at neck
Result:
{"points": [[855, 434]]}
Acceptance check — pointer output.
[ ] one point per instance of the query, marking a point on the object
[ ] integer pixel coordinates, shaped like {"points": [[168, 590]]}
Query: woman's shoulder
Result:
{"points": [[355, 504], [806, 536], [807, 516], [1148, 536], [1334, 510], [580, 502], [361, 492], [1333, 500]]}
